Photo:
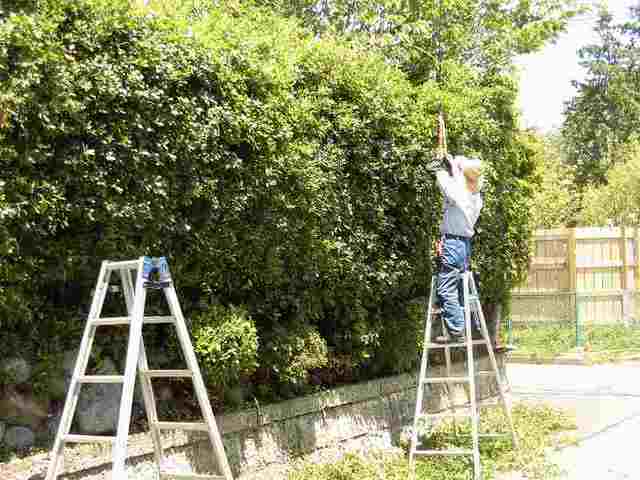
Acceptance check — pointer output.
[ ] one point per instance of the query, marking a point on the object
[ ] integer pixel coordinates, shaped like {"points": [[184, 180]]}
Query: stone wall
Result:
{"points": [[372, 414], [379, 408]]}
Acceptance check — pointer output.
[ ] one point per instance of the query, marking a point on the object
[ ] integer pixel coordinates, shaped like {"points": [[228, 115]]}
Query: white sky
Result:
{"points": [[545, 78]]}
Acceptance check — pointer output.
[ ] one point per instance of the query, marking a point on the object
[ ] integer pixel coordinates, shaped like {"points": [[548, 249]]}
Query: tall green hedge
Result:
{"points": [[276, 171]]}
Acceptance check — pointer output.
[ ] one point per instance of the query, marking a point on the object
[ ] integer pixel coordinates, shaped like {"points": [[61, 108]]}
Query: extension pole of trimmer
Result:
{"points": [[442, 153], [442, 136]]}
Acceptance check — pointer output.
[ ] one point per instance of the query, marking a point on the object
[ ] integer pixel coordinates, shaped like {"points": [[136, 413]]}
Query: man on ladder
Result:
{"points": [[460, 307], [460, 186]]}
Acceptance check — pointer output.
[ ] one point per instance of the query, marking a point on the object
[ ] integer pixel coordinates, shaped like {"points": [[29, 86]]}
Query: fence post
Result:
{"points": [[571, 259], [636, 251], [573, 283], [626, 293], [636, 263], [623, 252], [636, 278]]}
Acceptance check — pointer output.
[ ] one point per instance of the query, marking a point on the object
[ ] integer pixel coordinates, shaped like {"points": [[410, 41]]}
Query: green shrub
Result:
{"points": [[405, 332], [226, 342], [292, 352]]}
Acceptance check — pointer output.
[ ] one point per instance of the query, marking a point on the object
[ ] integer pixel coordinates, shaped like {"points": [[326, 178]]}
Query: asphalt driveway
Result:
{"points": [[606, 402]]}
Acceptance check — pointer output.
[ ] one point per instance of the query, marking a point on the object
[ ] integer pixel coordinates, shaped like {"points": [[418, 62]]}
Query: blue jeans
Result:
{"points": [[455, 259]]}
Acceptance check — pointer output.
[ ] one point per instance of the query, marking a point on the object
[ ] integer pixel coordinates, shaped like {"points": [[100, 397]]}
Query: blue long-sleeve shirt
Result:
{"points": [[461, 206]]}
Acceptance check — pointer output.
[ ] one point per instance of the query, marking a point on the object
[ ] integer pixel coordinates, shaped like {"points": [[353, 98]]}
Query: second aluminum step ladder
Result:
{"points": [[472, 308], [149, 273]]}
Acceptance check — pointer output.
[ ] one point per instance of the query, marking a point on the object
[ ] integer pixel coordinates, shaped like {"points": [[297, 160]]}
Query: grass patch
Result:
{"points": [[612, 338], [601, 342], [544, 340], [537, 427]]}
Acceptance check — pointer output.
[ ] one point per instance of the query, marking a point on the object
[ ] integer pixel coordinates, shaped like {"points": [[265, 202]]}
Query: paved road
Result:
{"points": [[606, 402]]}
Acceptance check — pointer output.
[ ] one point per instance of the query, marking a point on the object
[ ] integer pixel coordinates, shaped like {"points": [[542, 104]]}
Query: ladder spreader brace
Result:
{"points": [[150, 273]]}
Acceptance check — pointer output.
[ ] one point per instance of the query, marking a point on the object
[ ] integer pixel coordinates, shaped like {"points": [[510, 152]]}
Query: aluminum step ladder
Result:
{"points": [[472, 308], [150, 273]]}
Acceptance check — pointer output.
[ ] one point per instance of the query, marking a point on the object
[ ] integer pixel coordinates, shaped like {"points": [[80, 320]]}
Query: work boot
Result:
{"points": [[458, 337]]}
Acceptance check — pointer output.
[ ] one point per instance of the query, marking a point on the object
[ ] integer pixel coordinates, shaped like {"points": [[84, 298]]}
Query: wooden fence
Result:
{"points": [[581, 274]]}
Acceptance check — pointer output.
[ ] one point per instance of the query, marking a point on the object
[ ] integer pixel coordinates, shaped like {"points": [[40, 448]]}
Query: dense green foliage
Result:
{"points": [[617, 202], [464, 50], [555, 201], [276, 170], [226, 342], [289, 180], [605, 113]]}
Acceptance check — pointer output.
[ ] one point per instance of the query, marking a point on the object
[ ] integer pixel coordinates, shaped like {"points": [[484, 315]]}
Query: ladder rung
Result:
{"points": [[127, 320], [167, 373], [130, 264], [489, 403], [487, 373], [196, 426], [445, 379], [456, 451], [188, 476], [443, 345], [111, 321], [159, 319], [101, 379], [447, 415], [89, 438]]}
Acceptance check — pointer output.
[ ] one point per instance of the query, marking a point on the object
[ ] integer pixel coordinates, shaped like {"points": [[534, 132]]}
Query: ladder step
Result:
{"points": [[447, 415], [194, 426], [168, 475], [111, 321], [126, 264], [445, 379], [127, 320], [101, 379], [167, 373], [72, 438], [159, 319], [464, 344], [489, 403], [456, 451], [487, 373]]}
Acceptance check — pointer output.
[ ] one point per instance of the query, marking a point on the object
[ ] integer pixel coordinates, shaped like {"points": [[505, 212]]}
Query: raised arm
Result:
{"points": [[452, 186]]}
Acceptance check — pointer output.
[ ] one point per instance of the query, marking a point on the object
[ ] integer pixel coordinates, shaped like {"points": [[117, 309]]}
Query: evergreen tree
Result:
{"points": [[605, 112]]}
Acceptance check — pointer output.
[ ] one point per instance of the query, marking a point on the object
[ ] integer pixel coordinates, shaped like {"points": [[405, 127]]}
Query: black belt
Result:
{"points": [[456, 237]]}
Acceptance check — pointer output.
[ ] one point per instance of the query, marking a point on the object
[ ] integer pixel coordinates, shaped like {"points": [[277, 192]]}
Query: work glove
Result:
{"points": [[440, 163]]}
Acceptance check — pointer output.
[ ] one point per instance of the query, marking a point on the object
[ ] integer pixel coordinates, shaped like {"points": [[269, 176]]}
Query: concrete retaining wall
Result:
{"points": [[373, 412], [377, 409]]}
